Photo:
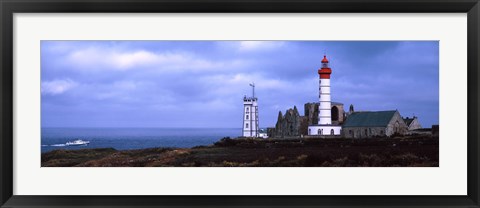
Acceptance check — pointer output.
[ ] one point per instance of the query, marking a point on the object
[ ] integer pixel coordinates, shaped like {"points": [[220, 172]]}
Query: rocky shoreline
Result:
{"points": [[406, 151]]}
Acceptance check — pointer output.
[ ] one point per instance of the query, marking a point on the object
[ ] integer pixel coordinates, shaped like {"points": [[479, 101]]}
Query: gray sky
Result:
{"points": [[202, 83]]}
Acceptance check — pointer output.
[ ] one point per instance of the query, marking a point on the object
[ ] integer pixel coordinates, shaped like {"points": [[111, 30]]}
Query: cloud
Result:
{"points": [[238, 84], [58, 86], [259, 45], [122, 92], [96, 58], [172, 80]]}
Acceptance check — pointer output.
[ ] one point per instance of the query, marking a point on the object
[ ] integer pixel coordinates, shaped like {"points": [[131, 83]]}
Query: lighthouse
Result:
{"points": [[324, 107], [250, 115], [324, 126]]}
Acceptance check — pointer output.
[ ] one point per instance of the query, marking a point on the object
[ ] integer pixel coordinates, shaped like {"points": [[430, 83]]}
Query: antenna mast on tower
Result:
{"points": [[253, 89]]}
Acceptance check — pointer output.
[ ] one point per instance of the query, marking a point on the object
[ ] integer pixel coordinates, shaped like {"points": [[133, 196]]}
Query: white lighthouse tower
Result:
{"points": [[324, 126], [250, 115]]}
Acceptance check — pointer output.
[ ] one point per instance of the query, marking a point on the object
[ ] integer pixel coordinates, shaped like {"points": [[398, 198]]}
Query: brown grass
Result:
{"points": [[398, 152]]}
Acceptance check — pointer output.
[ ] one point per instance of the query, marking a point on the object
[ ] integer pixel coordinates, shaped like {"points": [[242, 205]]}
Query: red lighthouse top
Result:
{"points": [[325, 71], [324, 60]]}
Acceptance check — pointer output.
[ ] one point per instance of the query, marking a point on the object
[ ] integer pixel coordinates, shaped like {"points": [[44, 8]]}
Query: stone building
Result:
{"points": [[289, 125], [294, 124], [412, 123], [369, 124], [337, 112], [360, 124], [327, 119]]}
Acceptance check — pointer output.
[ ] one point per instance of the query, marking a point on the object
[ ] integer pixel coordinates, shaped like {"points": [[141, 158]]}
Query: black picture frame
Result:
{"points": [[9, 7]]}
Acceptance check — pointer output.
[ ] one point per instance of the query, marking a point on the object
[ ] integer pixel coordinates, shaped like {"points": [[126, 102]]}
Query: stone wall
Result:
{"points": [[340, 115], [289, 125], [311, 112], [415, 124], [293, 124], [396, 125], [271, 132], [363, 132], [303, 129]]}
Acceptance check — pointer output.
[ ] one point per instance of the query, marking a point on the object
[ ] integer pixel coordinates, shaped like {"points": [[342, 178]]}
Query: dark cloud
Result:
{"points": [[201, 83]]}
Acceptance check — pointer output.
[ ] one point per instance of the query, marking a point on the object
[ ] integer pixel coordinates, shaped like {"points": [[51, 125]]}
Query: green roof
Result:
{"points": [[408, 121], [369, 119]]}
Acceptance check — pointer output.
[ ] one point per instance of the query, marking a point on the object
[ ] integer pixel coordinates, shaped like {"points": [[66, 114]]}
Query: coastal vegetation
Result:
{"points": [[402, 151]]}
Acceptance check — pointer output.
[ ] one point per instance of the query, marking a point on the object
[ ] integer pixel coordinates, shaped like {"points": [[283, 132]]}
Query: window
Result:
{"points": [[334, 113], [350, 132], [332, 132], [246, 125], [247, 109], [320, 132], [247, 117], [309, 131]]}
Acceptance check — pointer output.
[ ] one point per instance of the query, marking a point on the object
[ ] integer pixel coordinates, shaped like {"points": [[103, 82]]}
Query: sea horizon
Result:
{"points": [[126, 138]]}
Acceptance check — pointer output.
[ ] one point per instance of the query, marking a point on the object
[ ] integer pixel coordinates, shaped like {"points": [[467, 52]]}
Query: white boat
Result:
{"points": [[77, 142]]}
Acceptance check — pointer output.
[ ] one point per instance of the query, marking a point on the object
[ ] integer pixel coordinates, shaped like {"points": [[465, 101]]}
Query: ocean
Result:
{"points": [[133, 138]]}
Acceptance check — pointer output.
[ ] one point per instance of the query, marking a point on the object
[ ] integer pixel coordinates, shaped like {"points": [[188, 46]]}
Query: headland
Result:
{"points": [[400, 151]]}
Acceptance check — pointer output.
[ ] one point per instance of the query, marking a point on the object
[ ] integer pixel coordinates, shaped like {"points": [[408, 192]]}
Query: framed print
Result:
{"points": [[246, 104]]}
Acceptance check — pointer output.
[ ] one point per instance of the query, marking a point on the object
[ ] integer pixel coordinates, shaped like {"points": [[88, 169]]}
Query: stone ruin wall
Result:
{"points": [[293, 124]]}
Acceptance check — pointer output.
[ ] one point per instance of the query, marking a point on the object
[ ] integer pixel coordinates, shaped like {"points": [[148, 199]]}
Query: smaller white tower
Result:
{"points": [[250, 115]]}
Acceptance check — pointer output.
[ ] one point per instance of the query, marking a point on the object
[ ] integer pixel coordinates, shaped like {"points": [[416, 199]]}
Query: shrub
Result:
{"points": [[225, 142], [407, 159]]}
